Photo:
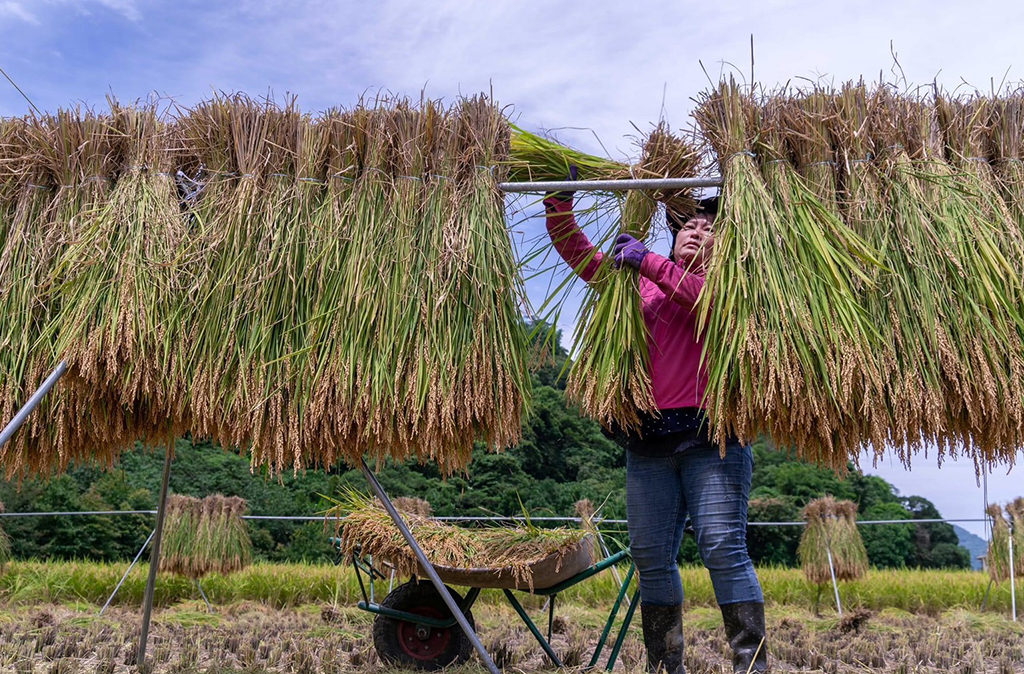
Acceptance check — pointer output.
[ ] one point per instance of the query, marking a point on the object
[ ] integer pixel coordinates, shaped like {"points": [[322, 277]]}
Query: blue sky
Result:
{"points": [[588, 70]]}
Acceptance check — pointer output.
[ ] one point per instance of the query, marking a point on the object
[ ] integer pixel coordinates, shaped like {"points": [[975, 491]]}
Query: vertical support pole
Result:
{"points": [[452, 605], [154, 559], [1013, 579], [832, 572], [33, 402], [130, 567]]}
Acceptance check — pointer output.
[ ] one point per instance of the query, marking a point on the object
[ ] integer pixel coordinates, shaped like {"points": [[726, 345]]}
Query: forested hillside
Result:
{"points": [[561, 459]]}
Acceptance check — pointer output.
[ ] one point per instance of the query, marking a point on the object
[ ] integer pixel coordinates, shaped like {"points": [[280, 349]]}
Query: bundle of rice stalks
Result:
{"points": [[781, 278], [338, 286], [413, 506], [368, 528], [1015, 511], [5, 545], [203, 536], [118, 277], [63, 172], [862, 204], [998, 556], [990, 417], [610, 379], [831, 528], [536, 158]]}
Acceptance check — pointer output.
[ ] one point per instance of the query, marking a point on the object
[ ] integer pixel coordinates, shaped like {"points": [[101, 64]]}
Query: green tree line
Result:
{"points": [[562, 459]]}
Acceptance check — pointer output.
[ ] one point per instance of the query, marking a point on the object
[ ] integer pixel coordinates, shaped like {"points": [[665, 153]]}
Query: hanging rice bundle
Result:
{"points": [[998, 556], [990, 295], [117, 277], [367, 528], [1015, 512], [831, 530], [610, 378], [66, 164], [860, 194], [781, 277], [204, 536]]}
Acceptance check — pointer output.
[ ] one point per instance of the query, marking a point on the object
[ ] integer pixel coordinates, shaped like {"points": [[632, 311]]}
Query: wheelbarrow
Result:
{"points": [[414, 628]]}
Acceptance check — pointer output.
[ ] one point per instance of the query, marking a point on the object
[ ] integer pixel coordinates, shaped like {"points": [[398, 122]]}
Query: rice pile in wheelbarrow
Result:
{"points": [[508, 556]]}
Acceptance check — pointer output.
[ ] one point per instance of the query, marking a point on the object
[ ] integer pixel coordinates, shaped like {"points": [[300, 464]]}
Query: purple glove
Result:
{"points": [[628, 251], [551, 198]]}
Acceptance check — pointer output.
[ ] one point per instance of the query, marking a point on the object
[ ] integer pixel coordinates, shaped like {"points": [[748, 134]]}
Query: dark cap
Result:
{"points": [[707, 206]]}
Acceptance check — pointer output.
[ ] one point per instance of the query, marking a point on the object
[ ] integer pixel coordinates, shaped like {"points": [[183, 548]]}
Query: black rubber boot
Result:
{"points": [[663, 637], [744, 627]]}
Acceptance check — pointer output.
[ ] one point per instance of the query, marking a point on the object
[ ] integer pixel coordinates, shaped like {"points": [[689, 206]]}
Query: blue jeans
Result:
{"points": [[661, 492]]}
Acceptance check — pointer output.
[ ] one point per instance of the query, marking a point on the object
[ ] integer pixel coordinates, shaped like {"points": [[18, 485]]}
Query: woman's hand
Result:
{"points": [[629, 251]]}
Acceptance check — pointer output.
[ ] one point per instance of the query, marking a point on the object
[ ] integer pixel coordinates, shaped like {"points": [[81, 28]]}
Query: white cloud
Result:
{"points": [[126, 8], [9, 8]]}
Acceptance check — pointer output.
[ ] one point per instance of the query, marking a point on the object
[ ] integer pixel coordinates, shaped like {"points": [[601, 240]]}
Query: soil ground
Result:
{"points": [[252, 638]]}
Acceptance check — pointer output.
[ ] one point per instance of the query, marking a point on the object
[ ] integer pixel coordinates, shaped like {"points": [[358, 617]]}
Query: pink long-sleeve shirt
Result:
{"points": [[668, 295]]}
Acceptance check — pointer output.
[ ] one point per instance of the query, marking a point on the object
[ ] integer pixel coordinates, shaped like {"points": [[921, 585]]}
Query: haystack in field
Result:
{"points": [[831, 529], [997, 558], [5, 546], [1015, 512], [204, 536]]}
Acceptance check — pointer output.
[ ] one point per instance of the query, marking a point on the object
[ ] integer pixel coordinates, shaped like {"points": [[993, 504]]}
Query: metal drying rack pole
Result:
{"points": [[154, 562]]}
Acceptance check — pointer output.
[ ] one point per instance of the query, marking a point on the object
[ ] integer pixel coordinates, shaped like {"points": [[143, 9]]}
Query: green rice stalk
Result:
{"points": [[831, 527], [610, 378], [817, 408], [535, 158]]}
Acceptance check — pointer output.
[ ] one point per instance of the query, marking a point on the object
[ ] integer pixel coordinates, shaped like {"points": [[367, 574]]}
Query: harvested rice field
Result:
{"points": [[330, 636]]}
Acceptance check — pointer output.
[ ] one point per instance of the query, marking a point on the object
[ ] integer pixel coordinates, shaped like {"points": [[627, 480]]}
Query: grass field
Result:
{"points": [[303, 619]]}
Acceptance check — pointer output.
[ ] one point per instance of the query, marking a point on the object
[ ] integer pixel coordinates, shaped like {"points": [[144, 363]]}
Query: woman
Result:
{"points": [[673, 470]]}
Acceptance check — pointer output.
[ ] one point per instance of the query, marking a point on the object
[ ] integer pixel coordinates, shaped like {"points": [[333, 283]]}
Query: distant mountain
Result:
{"points": [[976, 545]]}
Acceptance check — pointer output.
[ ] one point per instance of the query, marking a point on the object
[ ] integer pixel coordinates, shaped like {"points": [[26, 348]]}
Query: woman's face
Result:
{"points": [[693, 244]]}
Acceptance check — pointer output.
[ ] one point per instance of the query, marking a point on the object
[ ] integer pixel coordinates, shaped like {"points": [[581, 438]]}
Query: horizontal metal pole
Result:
{"points": [[32, 403], [612, 185]]}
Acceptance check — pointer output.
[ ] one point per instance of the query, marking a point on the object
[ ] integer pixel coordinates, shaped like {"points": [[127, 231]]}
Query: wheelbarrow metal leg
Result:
{"points": [[623, 590], [452, 605], [622, 632], [555, 660]]}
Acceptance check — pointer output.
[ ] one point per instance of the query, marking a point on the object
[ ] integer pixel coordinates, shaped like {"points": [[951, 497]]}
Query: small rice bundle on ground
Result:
{"points": [[997, 559], [781, 281], [204, 536], [1015, 511], [831, 528], [366, 527], [5, 545]]}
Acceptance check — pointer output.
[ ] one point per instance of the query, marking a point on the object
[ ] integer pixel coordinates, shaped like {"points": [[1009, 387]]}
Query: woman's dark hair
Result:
{"points": [[707, 206]]}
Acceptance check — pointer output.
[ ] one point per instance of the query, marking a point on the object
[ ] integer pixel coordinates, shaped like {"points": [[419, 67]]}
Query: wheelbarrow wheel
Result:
{"points": [[406, 644]]}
